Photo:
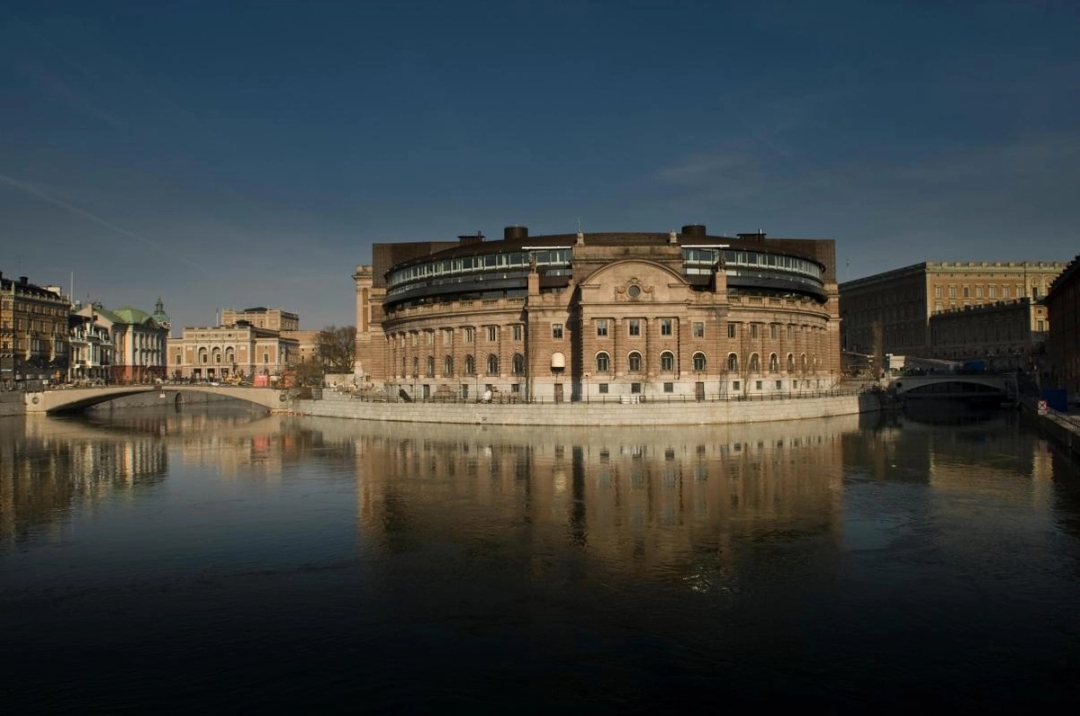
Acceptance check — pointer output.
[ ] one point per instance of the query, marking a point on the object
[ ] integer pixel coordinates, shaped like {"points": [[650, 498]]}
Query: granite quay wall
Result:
{"points": [[591, 414], [1062, 428], [11, 403]]}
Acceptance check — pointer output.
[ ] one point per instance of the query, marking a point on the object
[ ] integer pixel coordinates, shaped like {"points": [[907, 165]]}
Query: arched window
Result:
{"points": [[803, 361], [667, 362], [416, 366], [431, 366], [790, 363], [493, 364], [402, 365], [755, 363], [517, 367], [732, 363], [603, 363], [634, 362], [202, 355], [470, 365], [699, 362], [230, 357], [774, 363], [448, 365], [217, 355]]}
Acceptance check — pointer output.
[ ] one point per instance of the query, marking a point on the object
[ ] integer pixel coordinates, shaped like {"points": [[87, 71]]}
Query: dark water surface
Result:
{"points": [[216, 559]]}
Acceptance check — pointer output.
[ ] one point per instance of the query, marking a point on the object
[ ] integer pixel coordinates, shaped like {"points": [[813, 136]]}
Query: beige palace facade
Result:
{"points": [[635, 316], [890, 312], [217, 352]]}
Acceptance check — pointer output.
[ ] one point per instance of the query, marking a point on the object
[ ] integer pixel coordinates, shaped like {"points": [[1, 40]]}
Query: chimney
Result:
{"points": [[23, 280], [515, 232]]}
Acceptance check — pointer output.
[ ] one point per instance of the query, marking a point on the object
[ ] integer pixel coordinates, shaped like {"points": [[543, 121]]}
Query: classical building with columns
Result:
{"points": [[637, 316]]}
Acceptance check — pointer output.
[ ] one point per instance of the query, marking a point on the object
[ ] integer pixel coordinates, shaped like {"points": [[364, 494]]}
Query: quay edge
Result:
{"points": [[591, 414]]}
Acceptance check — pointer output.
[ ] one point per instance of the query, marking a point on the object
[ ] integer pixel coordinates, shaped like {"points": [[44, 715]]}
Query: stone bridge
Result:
{"points": [[74, 399], [954, 385]]}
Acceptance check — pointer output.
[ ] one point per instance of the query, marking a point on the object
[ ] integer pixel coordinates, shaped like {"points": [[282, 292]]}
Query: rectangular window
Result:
{"points": [[736, 385], [937, 292], [603, 388], [779, 385], [447, 336], [415, 340], [952, 291], [992, 291], [699, 330], [753, 330], [1004, 291], [518, 332], [635, 388], [732, 330], [967, 292], [492, 332], [601, 327], [978, 292], [429, 337], [774, 330], [670, 387], [556, 331], [757, 385], [1039, 325], [794, 384], [938, 306], [665, 326], [635, 327]]}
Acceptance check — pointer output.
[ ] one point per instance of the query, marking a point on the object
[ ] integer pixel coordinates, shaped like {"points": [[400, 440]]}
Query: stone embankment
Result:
{"points": [[581, 414], [1062, 428], [11, 403]]}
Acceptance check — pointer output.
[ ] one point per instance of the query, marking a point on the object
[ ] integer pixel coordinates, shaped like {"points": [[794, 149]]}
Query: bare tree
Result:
{"points": [[337, 349]]}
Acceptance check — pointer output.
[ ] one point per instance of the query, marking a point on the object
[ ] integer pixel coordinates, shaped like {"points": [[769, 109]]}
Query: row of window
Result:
{"points": [[695, 261], [991, 291], [603, 328], [603, 364]]}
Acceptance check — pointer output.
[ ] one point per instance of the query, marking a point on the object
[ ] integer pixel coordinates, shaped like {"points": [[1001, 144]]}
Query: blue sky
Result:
{"points": [[239, 154]]}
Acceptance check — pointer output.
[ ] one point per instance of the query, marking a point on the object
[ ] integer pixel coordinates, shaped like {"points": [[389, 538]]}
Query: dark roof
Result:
{"points": [[1064, 277]]}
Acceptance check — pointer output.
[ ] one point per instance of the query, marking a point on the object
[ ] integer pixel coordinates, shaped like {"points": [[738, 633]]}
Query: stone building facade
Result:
{"points": [[676, 316], [1006, 333], [33, 330], [220, 352], [890, 312], [1063, 342]]}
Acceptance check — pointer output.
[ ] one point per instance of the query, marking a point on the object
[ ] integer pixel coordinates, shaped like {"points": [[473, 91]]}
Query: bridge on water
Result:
{"points": [[67, 400], [975, 386]]}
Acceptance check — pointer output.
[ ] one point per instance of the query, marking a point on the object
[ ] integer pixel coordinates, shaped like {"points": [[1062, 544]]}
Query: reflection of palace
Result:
{"points": [[47, 466], [636, 499]]}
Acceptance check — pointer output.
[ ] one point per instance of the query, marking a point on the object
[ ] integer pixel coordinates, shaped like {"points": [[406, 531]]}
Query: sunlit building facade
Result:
{"points": [[678, 316]]}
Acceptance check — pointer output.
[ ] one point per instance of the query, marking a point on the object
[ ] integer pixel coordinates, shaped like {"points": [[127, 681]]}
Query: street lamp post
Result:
{"points": [[586, 387]]}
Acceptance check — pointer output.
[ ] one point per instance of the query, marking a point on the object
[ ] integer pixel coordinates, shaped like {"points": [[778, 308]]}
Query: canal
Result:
{"points": [[192, 560]]}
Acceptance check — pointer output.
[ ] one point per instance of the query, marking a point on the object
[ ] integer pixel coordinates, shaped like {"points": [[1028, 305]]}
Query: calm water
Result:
{"points": [[208, 559]]}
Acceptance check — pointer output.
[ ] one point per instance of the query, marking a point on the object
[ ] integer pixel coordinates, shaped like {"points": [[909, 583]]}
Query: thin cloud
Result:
{"points": [[37, 193]]}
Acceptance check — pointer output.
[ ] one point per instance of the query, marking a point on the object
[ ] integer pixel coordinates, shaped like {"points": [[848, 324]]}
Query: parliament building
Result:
{"points": [[605, 316]]}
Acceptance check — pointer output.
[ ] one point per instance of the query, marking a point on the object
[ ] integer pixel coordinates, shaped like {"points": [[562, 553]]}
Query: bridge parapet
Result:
{"points": [[72, 399]]}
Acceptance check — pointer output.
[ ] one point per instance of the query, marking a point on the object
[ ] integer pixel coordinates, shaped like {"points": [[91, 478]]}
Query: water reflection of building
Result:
{"points": [[46, 467], [652, 500]]}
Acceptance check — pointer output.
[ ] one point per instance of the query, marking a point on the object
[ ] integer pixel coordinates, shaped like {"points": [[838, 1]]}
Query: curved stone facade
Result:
{"points": [[601, 316]]}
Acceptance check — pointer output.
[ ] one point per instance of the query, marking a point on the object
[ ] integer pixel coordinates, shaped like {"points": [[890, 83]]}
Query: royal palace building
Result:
{"points": [[890, 312], [631, 316]]}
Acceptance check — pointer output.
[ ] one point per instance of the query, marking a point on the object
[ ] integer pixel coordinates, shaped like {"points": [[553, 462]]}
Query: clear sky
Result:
{"points": [[227, 154]]}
